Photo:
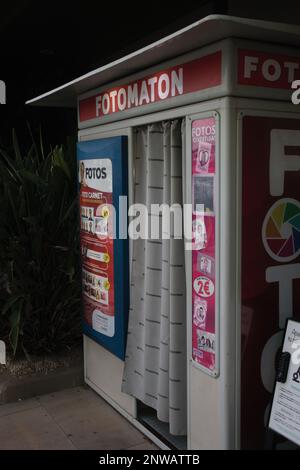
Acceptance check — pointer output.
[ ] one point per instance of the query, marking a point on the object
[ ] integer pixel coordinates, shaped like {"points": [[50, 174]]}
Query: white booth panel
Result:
{"points": [[103, 371], [205, 416]]}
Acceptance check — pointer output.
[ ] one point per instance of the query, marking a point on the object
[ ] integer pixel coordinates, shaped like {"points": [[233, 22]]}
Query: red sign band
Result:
{"points": [[190, 77]]}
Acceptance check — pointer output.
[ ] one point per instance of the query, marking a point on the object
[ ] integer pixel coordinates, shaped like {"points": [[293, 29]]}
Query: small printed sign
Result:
{"points": [[204, 286], [285, 411]]}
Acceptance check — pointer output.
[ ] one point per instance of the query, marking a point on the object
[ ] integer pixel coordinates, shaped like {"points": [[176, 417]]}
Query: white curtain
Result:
{"points": [[155, 364]]}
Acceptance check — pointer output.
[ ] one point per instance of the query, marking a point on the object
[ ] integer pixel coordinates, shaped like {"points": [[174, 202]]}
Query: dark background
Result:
{"points": [[47, 43]]}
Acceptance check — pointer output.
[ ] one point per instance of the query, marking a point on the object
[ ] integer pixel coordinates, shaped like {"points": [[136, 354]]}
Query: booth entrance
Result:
{"points": [[183, 342], [155, 360]]}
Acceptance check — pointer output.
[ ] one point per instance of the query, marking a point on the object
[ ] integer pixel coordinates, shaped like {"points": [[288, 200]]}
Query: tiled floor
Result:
{"points": [[72, 419]]}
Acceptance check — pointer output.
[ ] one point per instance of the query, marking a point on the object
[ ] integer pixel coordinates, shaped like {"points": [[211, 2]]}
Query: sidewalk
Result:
{"points": [[72, 419]]}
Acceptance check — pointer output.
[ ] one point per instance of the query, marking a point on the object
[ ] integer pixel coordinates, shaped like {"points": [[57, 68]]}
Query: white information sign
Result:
{"points": [[285, 412]]}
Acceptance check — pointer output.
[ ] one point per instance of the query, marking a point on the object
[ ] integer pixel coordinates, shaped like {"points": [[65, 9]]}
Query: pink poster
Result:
{"points": [[203, 256]]}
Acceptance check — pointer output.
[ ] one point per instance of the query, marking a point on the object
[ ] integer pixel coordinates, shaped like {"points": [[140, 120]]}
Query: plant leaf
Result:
{"points": [[15, 324], [18, 155], [59, 161], [33, 178], [10, 302]]}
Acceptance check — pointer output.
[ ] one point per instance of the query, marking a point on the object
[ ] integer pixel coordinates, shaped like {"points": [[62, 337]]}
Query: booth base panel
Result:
{"points": [[105, 371]]}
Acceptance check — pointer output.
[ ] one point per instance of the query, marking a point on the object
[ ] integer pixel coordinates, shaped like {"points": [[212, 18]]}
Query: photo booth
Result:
{"points": [[182, 342]]}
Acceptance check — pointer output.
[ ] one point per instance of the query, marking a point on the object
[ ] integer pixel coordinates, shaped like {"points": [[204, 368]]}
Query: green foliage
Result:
{"points": [[39, 249]]}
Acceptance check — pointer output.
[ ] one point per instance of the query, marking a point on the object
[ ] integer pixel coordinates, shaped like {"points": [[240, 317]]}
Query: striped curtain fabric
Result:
{"points": [[155, 364]]}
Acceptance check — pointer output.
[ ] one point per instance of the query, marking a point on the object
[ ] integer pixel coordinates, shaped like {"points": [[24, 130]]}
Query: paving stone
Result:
{"points": [[32, 429], [146, 445], [89, 421], [75, 418], [21, 405]]}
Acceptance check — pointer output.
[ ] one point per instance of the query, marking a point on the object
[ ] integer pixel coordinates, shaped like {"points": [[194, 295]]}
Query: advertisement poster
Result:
{"points": [[203, 256], [97, 250], [104, 258], [270, 260]]}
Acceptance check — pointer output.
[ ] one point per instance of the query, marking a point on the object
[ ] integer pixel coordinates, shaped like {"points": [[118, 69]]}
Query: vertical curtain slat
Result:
{"points": [[177, 349], [155, 365]]}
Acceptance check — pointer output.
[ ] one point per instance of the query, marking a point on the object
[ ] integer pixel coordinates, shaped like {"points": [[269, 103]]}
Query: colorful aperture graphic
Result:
{"points": [[281, 230]]}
